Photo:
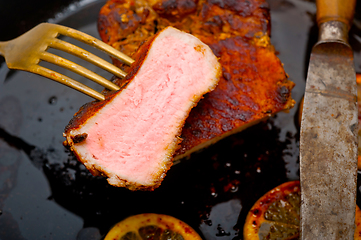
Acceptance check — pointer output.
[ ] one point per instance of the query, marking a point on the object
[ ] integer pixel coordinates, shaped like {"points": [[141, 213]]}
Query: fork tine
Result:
{"points": [[66, 81], [81, 53], [83, 37], [49, 57]]}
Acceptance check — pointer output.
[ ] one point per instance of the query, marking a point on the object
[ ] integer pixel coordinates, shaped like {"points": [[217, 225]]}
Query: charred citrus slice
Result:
{"points": [[153, 227], [276, 215]]}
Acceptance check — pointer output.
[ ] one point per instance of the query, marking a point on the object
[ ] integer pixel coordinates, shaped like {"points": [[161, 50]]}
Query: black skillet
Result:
{"points": [[46, 194]]}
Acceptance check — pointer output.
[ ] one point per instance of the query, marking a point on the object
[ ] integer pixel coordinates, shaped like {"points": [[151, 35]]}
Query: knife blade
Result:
{"points": [[328, 137]]}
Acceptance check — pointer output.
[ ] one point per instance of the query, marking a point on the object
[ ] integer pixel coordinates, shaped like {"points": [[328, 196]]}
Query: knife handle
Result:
{"points": [[335, 10]]}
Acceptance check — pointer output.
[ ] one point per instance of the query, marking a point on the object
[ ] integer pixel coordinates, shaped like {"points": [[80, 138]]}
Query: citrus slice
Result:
{"points": [[276, 215], [152, 226]]}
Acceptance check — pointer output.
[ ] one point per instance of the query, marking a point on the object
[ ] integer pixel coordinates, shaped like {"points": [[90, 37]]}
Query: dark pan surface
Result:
{"points": [[46, 194]]}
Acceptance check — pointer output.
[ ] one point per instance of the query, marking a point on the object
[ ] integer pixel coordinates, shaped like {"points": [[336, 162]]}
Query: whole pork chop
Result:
{"points": [[253, 85]]}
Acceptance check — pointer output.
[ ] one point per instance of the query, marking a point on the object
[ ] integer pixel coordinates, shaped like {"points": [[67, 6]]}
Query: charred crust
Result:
{"points": [[79, 138], [85, 112], [175, 9], [253, 85], [132, 186], [66, 144], [283, 94]]}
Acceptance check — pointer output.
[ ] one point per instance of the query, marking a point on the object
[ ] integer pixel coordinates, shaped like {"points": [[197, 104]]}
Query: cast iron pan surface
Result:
{"points": [[46, 194]]}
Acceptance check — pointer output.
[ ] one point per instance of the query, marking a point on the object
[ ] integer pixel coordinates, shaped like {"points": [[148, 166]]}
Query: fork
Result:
{"points": [[27, 51]]}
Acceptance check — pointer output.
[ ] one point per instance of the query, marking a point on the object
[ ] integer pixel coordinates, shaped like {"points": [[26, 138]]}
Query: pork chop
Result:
{"points": [[253, 86]]}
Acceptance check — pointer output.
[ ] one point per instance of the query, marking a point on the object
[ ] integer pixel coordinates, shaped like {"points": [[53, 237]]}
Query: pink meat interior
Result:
{"points": [[132, 135]]}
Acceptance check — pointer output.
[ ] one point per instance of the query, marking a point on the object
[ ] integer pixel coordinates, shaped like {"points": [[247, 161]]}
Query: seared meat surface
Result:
{"points": [[253, 85], [131, 136]]}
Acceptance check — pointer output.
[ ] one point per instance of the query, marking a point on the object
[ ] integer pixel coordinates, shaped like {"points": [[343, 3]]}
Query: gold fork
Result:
{"points": [[25, 53]]}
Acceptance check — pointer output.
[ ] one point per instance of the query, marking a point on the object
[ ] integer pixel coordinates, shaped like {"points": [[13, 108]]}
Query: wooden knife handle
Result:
{"points": [[335, 10]]}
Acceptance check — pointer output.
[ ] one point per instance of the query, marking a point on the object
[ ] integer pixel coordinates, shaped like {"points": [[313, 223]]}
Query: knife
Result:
{"points": [[328, 138]]}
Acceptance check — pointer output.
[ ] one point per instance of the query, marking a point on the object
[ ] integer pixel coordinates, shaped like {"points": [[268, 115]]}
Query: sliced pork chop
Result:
{"points": [[132, 135]]}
